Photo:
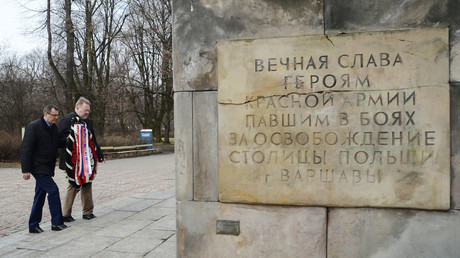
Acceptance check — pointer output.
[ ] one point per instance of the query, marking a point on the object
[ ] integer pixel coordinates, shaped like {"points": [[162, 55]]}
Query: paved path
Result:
{"points": [[134, 201]]}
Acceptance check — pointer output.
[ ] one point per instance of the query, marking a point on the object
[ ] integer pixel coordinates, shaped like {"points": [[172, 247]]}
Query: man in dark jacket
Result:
{"points": [[38, 158], [66, 128]]}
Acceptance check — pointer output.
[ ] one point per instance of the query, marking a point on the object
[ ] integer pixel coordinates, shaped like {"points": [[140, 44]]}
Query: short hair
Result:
{"points": [[49, 107], [81, 101]]}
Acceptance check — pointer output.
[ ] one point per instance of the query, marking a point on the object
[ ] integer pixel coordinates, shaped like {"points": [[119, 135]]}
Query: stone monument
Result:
{"points": [[317, 128]]}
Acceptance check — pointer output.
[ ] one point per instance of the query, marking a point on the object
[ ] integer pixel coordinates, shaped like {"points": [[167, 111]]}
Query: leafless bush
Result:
{"points": [[10, 145], [132, 138]]}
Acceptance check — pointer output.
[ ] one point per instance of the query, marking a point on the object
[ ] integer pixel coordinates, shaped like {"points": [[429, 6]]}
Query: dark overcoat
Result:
{"points": [[39, 148], [64, 130]]}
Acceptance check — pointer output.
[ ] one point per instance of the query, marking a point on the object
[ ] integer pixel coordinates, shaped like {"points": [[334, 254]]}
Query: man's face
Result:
{"points": [[83, 110], [52, 117]]}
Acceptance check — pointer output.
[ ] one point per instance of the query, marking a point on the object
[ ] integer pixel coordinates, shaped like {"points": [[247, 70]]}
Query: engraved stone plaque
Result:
{"points": [[352, 120], [228, 227]]}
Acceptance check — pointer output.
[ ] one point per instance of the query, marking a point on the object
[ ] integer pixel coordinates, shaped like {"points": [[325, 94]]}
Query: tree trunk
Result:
{"points": [[68, 101], [69, 55]]}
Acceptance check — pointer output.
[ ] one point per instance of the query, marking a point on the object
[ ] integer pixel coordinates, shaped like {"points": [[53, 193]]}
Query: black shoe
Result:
{"points": [[89, 216], [58, 227], [68, 219], [35, 230]]}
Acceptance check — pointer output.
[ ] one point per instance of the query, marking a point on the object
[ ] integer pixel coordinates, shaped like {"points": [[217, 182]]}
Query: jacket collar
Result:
{"points": [[76, 115], [45, 124]]}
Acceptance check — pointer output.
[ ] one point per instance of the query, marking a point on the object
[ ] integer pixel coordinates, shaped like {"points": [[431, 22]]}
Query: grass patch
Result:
{"points": [[10, 165]]}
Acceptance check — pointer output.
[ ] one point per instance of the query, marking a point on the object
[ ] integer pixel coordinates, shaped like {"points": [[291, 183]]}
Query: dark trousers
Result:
{"points": [[45, 184]]}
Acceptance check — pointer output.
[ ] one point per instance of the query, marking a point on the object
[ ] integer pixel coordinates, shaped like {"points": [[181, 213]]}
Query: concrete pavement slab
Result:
{"points": [[166, 250], [153, 213], [167, 203], [114, 254], [84, 246], [133, 244], [139, 205], [109, 218], [133, 224], [166, 222], [24, 253], [123, 228], [163, 195]]}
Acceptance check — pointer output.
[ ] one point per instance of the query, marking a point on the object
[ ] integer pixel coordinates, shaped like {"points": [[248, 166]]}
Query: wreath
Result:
{"points": [[80, 153]]}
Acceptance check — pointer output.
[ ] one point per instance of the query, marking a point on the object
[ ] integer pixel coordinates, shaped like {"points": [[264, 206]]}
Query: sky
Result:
{"points": [[16, 25]]}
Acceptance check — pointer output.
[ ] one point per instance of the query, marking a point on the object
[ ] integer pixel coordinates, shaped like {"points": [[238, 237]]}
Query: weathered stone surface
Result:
{"points": [[455, 55], [183, 147], [346, 120], [382, 233], [362, 15], [205, 170], [455, 143], [199, 24], [266, 231]]}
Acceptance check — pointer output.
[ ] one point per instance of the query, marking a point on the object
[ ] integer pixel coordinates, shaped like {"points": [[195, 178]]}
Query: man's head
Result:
{"points": [[83, 107], [51, 113]]}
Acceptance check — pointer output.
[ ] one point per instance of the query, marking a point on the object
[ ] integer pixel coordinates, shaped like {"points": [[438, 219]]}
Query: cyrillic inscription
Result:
{"points": [[347, 120]]}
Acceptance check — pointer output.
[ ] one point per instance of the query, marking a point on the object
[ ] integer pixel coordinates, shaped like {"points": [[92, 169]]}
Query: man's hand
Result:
{"points": [[102, 160], [26, 176]]}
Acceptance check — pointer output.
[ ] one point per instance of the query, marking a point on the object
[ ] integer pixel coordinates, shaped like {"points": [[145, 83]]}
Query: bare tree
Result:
{"points": [[149, 40], [90, 30], [21, 93], [103, 21], [66, 82], [115, 53]]}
